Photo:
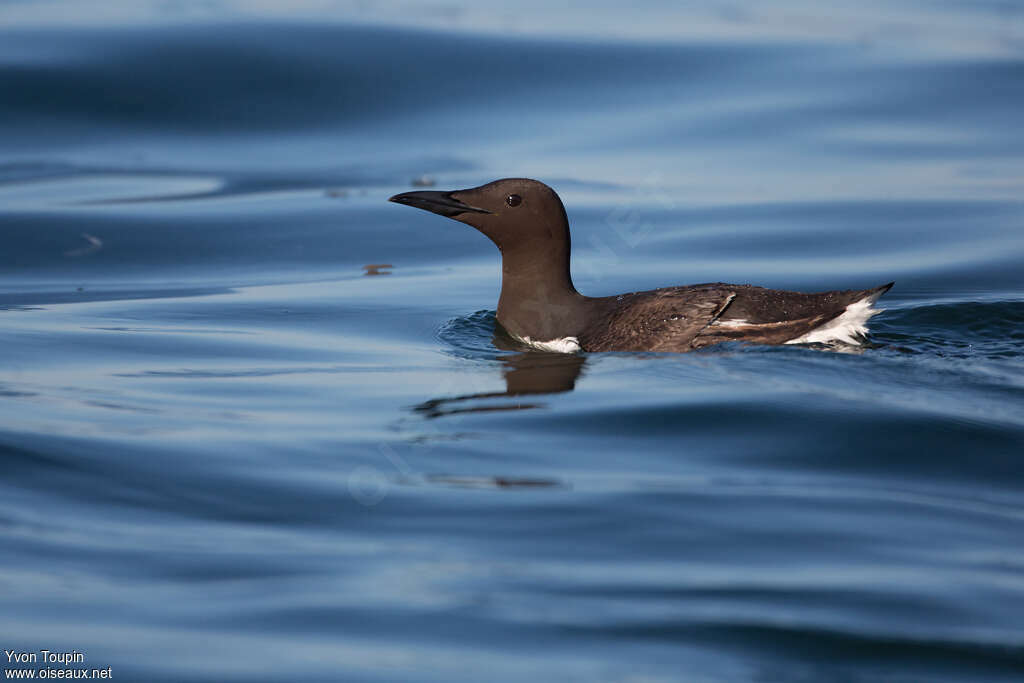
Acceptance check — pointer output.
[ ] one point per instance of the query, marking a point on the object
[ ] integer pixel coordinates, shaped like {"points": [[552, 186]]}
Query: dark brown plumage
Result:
{"points": [[538, 303], [692, 317]]}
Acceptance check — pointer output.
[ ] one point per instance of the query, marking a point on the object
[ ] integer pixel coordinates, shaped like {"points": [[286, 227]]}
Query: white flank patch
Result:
{"points": [[563, 345], [730, 323], [848, 328]]}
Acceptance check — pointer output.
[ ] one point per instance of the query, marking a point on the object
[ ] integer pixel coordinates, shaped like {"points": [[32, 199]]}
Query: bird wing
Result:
{"points": [[668, 319], [757, 305], [771, 316]]}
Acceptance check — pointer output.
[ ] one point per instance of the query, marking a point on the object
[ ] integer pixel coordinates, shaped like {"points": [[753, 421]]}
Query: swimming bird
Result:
{"points": [[540, 306]]}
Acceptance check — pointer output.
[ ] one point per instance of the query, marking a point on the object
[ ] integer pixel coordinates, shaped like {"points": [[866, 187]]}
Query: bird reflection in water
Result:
{"points": [[526, 373]]}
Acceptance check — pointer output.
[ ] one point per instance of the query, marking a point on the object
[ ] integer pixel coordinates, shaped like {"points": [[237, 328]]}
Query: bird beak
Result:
{"points": [[442, 203]]}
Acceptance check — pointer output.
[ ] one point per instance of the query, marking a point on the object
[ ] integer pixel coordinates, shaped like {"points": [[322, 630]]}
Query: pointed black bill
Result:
{"points": [[436, 202]]}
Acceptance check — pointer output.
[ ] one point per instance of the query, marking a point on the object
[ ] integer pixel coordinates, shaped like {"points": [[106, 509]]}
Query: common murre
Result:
{"points": [[540, 306]]}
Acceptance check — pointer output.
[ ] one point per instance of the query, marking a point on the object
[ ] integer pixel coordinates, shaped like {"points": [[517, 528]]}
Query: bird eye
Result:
{"points": [[513, 200]]}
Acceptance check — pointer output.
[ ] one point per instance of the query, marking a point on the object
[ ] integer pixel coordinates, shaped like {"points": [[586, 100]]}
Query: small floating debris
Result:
{"points": [[336, 192], [423, 181], [377, 269]]}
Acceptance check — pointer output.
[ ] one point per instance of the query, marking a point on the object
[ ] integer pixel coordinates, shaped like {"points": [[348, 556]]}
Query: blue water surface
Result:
{"points": [[257, 424]]}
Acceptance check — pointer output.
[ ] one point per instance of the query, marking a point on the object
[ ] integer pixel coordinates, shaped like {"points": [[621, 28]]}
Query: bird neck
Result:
{"points": [[538, 299]]}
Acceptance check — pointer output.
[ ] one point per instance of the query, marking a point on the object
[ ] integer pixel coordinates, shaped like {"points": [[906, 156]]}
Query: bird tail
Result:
{"points": [[874, 294]]}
